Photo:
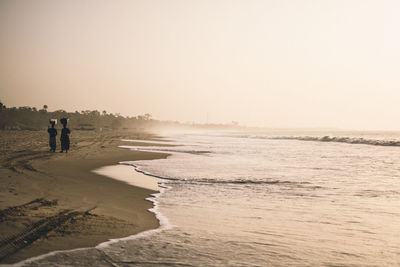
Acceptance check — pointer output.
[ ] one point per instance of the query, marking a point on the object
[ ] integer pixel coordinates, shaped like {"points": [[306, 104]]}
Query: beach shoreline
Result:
{"points": [[61, 201]]}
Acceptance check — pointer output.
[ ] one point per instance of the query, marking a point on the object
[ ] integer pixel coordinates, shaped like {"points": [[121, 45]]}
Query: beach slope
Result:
{"points": [[53, 201]]}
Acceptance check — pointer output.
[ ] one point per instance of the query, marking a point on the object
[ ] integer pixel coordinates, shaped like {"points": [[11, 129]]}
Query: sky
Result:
{"points": [[272, 63]]}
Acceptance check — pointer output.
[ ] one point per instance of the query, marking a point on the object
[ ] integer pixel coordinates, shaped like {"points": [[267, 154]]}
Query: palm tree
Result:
{"points": [[147, 116]]}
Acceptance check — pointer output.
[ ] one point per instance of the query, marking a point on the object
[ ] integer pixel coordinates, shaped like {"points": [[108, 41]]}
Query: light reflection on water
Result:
{"points": [[262, 202]]}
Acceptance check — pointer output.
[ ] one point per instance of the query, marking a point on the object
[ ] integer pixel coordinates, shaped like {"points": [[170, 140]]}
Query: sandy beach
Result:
{"points": [[53, 201]]}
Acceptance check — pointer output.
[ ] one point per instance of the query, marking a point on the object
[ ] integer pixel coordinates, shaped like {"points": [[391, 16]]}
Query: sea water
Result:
{"points": [[234, 199]]}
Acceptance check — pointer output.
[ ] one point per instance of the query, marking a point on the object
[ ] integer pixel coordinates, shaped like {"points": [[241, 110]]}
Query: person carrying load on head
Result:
{"points": [[52, 134]]}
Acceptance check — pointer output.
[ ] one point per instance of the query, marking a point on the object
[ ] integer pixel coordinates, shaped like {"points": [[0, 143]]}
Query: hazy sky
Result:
{"points": [[271, 63]]}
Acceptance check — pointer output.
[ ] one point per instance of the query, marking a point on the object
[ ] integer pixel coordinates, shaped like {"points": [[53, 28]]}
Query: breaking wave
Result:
{"points": [[347, 140], [170, 180]]}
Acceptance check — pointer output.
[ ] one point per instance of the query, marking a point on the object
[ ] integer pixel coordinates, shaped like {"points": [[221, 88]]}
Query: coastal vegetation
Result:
{"points": [[32, 118]]}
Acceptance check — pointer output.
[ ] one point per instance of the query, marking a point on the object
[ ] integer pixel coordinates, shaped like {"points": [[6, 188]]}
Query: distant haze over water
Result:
{"points": [[271, 63]]}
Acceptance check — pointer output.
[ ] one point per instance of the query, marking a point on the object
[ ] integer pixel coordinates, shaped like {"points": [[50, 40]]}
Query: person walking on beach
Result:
{"points": [[64, 136], [52, 133]]}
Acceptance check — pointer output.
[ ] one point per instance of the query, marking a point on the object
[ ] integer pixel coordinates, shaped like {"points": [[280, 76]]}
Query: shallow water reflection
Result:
{"points": [[262, 202]]}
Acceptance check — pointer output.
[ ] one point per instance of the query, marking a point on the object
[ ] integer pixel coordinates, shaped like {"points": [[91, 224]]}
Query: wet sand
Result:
{"points": [[53, 201]]}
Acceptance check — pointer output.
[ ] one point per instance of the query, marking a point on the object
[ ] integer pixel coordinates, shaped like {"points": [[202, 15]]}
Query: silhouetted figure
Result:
{"points": [[64, 135], [52, 133]]}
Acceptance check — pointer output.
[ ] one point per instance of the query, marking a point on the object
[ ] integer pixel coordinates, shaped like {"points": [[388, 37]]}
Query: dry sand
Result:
{"points": [[53, 201]]}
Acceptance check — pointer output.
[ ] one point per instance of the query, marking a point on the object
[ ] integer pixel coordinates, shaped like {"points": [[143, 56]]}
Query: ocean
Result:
{"points": [[265, 199]]}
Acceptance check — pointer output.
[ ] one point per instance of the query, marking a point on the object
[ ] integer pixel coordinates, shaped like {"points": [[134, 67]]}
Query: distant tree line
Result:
{"points": [[31, 118]]}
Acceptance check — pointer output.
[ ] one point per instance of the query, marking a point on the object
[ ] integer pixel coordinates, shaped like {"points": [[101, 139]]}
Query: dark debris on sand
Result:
{"points": [[38, 219]]}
